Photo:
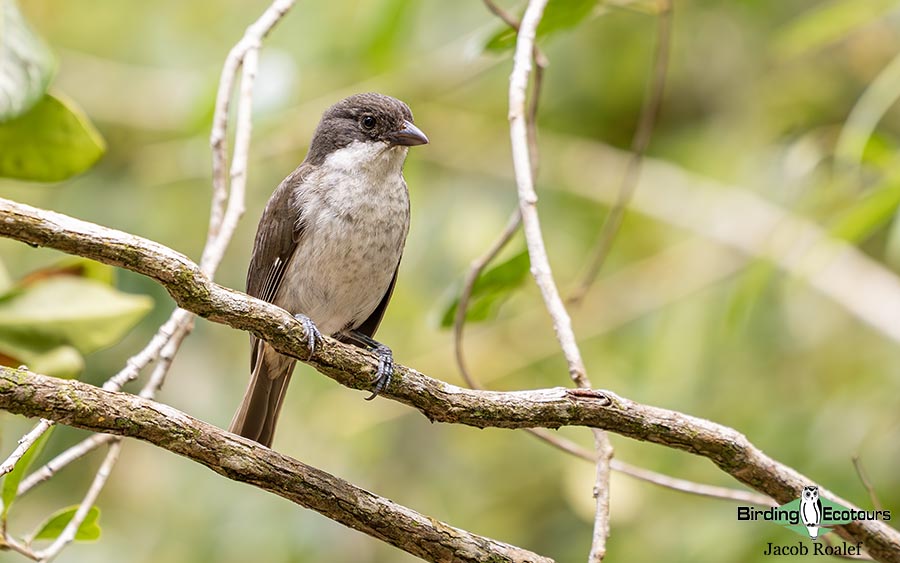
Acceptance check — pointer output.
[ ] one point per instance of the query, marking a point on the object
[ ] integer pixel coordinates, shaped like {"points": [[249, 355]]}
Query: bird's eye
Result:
{"points": [[368, 122]]}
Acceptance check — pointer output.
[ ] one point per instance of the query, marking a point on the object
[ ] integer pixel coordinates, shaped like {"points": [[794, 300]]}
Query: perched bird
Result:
{"points": [[329, 243]]}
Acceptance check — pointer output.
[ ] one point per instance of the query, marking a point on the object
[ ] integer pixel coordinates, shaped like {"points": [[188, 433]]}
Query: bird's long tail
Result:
{"points": [[258, 413]]}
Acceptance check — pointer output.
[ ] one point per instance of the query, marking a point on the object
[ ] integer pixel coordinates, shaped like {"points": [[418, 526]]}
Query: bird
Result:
{"points": [[811, 511], [329, 243]]}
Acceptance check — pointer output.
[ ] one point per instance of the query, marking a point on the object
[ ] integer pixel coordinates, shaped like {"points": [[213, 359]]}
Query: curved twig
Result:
{"points": [[540, 263], [649, 114]]}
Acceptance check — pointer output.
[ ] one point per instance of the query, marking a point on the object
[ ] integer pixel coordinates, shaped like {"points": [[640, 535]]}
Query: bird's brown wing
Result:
{"points": [[277, 237]]}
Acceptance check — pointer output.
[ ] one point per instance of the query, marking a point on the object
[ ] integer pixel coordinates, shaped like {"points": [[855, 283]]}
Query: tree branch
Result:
{"points": [[91, 408], [439, 401]]}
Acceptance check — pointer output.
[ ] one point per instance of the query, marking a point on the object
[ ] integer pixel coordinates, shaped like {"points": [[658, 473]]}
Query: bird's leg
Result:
{"points": [[312, 333], [385, 359]]}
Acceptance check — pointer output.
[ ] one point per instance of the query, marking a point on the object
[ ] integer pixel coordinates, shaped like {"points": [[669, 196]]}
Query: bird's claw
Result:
{"points": [[385, 370], [312, 333]]}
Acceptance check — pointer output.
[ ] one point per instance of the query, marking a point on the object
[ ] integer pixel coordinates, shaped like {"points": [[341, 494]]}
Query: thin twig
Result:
{"points": [[89, 444], [600, 532], [100, 479], [691, 487], [251, 40], [515, 219], [502, 14], [19, 547], [540, 264], [25, 443], [646, 121], [475, 269], [864, 478], [65, 458], [660, 479]]}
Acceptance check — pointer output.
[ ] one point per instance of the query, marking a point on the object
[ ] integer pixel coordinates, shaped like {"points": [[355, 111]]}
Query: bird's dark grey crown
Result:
{"points": [[361, 117]]}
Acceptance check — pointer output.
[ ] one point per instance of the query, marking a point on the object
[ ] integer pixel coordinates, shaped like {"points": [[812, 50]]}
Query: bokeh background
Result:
{"points": [[756, 105]]}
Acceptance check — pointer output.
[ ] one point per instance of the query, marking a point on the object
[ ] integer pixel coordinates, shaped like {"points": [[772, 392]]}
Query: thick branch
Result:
{"points": [[85, 406], [439, 401]]}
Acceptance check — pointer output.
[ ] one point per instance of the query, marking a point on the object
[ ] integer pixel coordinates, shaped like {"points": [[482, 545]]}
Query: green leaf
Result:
{"points": [[26, 63], [869, 214], [53, 526], [12, 479], [64, 362], [826, 23], [71, 266], [558, 15], [51, 142], [491, 289], [79, 312]]}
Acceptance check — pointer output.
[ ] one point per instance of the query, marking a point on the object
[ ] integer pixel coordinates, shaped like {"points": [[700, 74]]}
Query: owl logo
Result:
{"points": [[811, 511]]}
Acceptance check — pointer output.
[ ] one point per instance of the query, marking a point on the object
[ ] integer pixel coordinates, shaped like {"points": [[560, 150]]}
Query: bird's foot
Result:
{"points": [[312, 333], [385, 370], [385, 359]]}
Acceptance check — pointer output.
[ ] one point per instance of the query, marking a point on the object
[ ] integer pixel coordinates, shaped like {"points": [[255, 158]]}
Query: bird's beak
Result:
{"points": [[409, 136]]}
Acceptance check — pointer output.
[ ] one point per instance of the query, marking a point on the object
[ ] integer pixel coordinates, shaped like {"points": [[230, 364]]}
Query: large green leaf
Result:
{"points": [[558, 15], [63, 361], [12, 479], [51, 142], [26, 64], [53, 526], [80, 312], [491, 289], [70, 266]]}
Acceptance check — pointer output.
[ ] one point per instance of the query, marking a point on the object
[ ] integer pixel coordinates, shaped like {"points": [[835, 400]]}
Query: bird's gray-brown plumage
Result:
{"points": [[329, 242]]}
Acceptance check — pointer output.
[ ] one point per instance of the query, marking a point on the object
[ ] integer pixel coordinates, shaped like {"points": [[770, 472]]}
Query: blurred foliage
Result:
{"points": [[55, 315], [558, 15], [757, 96], [26, 63], [43, 137]]}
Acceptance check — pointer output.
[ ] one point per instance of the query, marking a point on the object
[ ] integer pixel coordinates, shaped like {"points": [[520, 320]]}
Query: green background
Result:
{"points": [[757, 95]]}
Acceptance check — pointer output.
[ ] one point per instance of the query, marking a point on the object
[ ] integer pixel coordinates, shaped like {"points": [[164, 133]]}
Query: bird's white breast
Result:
{"points": [[354, 215]]}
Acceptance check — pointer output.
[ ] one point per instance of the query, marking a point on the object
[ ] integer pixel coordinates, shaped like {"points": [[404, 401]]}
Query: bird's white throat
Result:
{"points": [[375, 158]]}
